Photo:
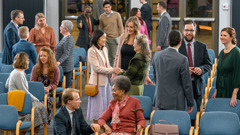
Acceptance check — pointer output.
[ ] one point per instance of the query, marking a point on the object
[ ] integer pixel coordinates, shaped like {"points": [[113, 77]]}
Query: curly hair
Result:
{"points": [[136, 24], [51, 63], [142, 41]]}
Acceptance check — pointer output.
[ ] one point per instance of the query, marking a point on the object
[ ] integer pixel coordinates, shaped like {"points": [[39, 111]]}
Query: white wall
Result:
{"points": [[224, 19], [52, 13], [135, 3]]}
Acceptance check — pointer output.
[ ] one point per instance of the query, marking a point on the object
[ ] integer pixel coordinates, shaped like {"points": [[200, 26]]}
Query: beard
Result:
{"points": [[188, 40]]}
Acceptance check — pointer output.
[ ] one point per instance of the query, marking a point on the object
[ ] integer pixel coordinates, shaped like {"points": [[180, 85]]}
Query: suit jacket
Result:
{"points": [[97, 61], [29, 48], [173, 81], [146, 14], [83, 37], [10, 38], [201, 60], [62, 123], [163, 29]]}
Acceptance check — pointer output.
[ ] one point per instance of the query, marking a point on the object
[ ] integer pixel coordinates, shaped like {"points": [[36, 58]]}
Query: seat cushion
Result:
{"points": [[25, 125], [59, 89]]}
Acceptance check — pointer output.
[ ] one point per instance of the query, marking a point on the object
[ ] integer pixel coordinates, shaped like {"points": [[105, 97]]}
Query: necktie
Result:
{"points": [[73, 123], [190, 57], [90, 26]]}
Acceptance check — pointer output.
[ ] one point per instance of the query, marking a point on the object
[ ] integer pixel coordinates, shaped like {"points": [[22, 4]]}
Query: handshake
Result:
{"points": [[117, 70]]}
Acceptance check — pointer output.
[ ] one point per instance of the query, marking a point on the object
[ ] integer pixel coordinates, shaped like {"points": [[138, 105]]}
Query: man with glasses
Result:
{"points": [[85, 24], [198, 59], [11, 35]]}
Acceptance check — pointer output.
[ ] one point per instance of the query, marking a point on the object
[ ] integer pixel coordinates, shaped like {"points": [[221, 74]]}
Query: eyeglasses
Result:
{"points": [[187, 30]]}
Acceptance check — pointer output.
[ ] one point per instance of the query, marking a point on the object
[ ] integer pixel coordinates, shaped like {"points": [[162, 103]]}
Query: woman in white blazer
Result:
{"points": [[98, 58]]}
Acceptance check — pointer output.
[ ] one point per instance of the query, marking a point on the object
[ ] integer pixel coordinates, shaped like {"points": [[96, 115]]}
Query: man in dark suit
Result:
{"points": [[11, 35], [85, 24], [199, 61], [146, 14], [69, 118], [171, 72], [164, 26]]}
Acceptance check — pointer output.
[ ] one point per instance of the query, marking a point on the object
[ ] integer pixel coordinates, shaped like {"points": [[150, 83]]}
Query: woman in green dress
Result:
{"points": [[228, 68], [138, 65]]}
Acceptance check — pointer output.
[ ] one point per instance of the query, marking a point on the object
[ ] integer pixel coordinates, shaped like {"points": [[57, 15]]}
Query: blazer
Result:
{"points": [[96, 60], [29, 48], [118, 56], [201, 60], [127, 117], [83, 37], [146, 14], [62, 123], [10, 38], [163, 29], [173, 81]]}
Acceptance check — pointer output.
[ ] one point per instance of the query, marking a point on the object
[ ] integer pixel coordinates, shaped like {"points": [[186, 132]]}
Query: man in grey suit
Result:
{"points": [[199, 61], [164, 26], [173, 81]]}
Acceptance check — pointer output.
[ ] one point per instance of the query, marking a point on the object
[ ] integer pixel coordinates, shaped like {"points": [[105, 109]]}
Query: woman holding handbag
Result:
{"points": [[100, 75]]}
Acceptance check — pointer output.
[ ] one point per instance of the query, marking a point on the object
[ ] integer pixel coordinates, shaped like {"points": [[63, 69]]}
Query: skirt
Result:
{"points": [[99, 103], [40, 115]]}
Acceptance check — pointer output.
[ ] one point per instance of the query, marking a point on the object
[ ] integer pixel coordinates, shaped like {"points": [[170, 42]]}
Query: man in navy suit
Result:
{"points": [[69, 118], [198, 59], [146, 14], [11, 35]]}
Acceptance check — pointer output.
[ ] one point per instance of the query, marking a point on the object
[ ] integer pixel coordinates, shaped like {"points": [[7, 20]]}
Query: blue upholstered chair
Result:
{"points": [[146, 105], [2, 89], [211, 92], [211, 54], [27, 109], [28, 76], [219, 123], [3, 79], [1, 54], [9, 119], [180, 118], [149, 90], [7, 69]]}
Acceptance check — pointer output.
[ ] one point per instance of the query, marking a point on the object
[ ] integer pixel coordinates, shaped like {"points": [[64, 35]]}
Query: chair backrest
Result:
{"points": [[214, 82], [28, 77], [222, 104], [8, 117], [219, 123], [79, 52], [194, 111], [2, 89], [211, 92], [205, 78], [1, 64], [37, 89], [7, 69], [27, 105], [3, 79], [146, 105], [149, 90], [1, 54], [180, 118], [61, 73], [211, 54]]}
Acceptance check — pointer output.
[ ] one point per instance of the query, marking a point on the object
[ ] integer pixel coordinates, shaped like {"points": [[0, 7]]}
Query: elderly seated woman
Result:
{"points": [[122, 111]]}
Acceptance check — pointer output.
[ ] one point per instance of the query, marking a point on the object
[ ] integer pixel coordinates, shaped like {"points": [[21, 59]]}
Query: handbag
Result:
{"points": [[91, 90], [164, 129]]}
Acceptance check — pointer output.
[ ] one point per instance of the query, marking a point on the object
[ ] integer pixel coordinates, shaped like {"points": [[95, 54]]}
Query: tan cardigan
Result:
{"points": [[118, 57], [96, 60]]}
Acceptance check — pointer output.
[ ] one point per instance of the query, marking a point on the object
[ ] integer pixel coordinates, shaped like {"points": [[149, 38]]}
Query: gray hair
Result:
{"points": [[143, 42], [68, 25], [122, 83]]}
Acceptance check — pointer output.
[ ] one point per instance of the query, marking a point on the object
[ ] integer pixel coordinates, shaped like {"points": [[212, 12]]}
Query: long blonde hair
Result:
{"points": [[136, 24], [142, 41], [37, 17]]}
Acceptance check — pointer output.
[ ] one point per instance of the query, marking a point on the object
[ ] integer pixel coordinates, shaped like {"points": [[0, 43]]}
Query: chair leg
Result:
{"points": [[9, 133], [54, 102], [45, 129], [5, 132], [78, 85]]}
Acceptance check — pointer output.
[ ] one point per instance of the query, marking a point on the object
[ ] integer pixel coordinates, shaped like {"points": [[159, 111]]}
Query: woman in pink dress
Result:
{"points": [[143, 27]]}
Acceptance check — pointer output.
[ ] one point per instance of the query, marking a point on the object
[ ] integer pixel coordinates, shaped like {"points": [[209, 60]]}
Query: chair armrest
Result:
{"points": [[141, 132], [19, 123], [197, 120], [196, 131], [151, 116], [45, 100], [191, 130], [64, 82], [147, 130]]}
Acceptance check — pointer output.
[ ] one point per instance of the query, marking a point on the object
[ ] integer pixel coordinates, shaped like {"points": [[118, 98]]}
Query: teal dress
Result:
{"points": [[228, 73], [136, 72]]}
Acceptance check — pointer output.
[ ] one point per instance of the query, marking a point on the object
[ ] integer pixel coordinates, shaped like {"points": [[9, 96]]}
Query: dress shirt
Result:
{"points": [[108, 15], [174, 48], [71, 115], [16, 25]]}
